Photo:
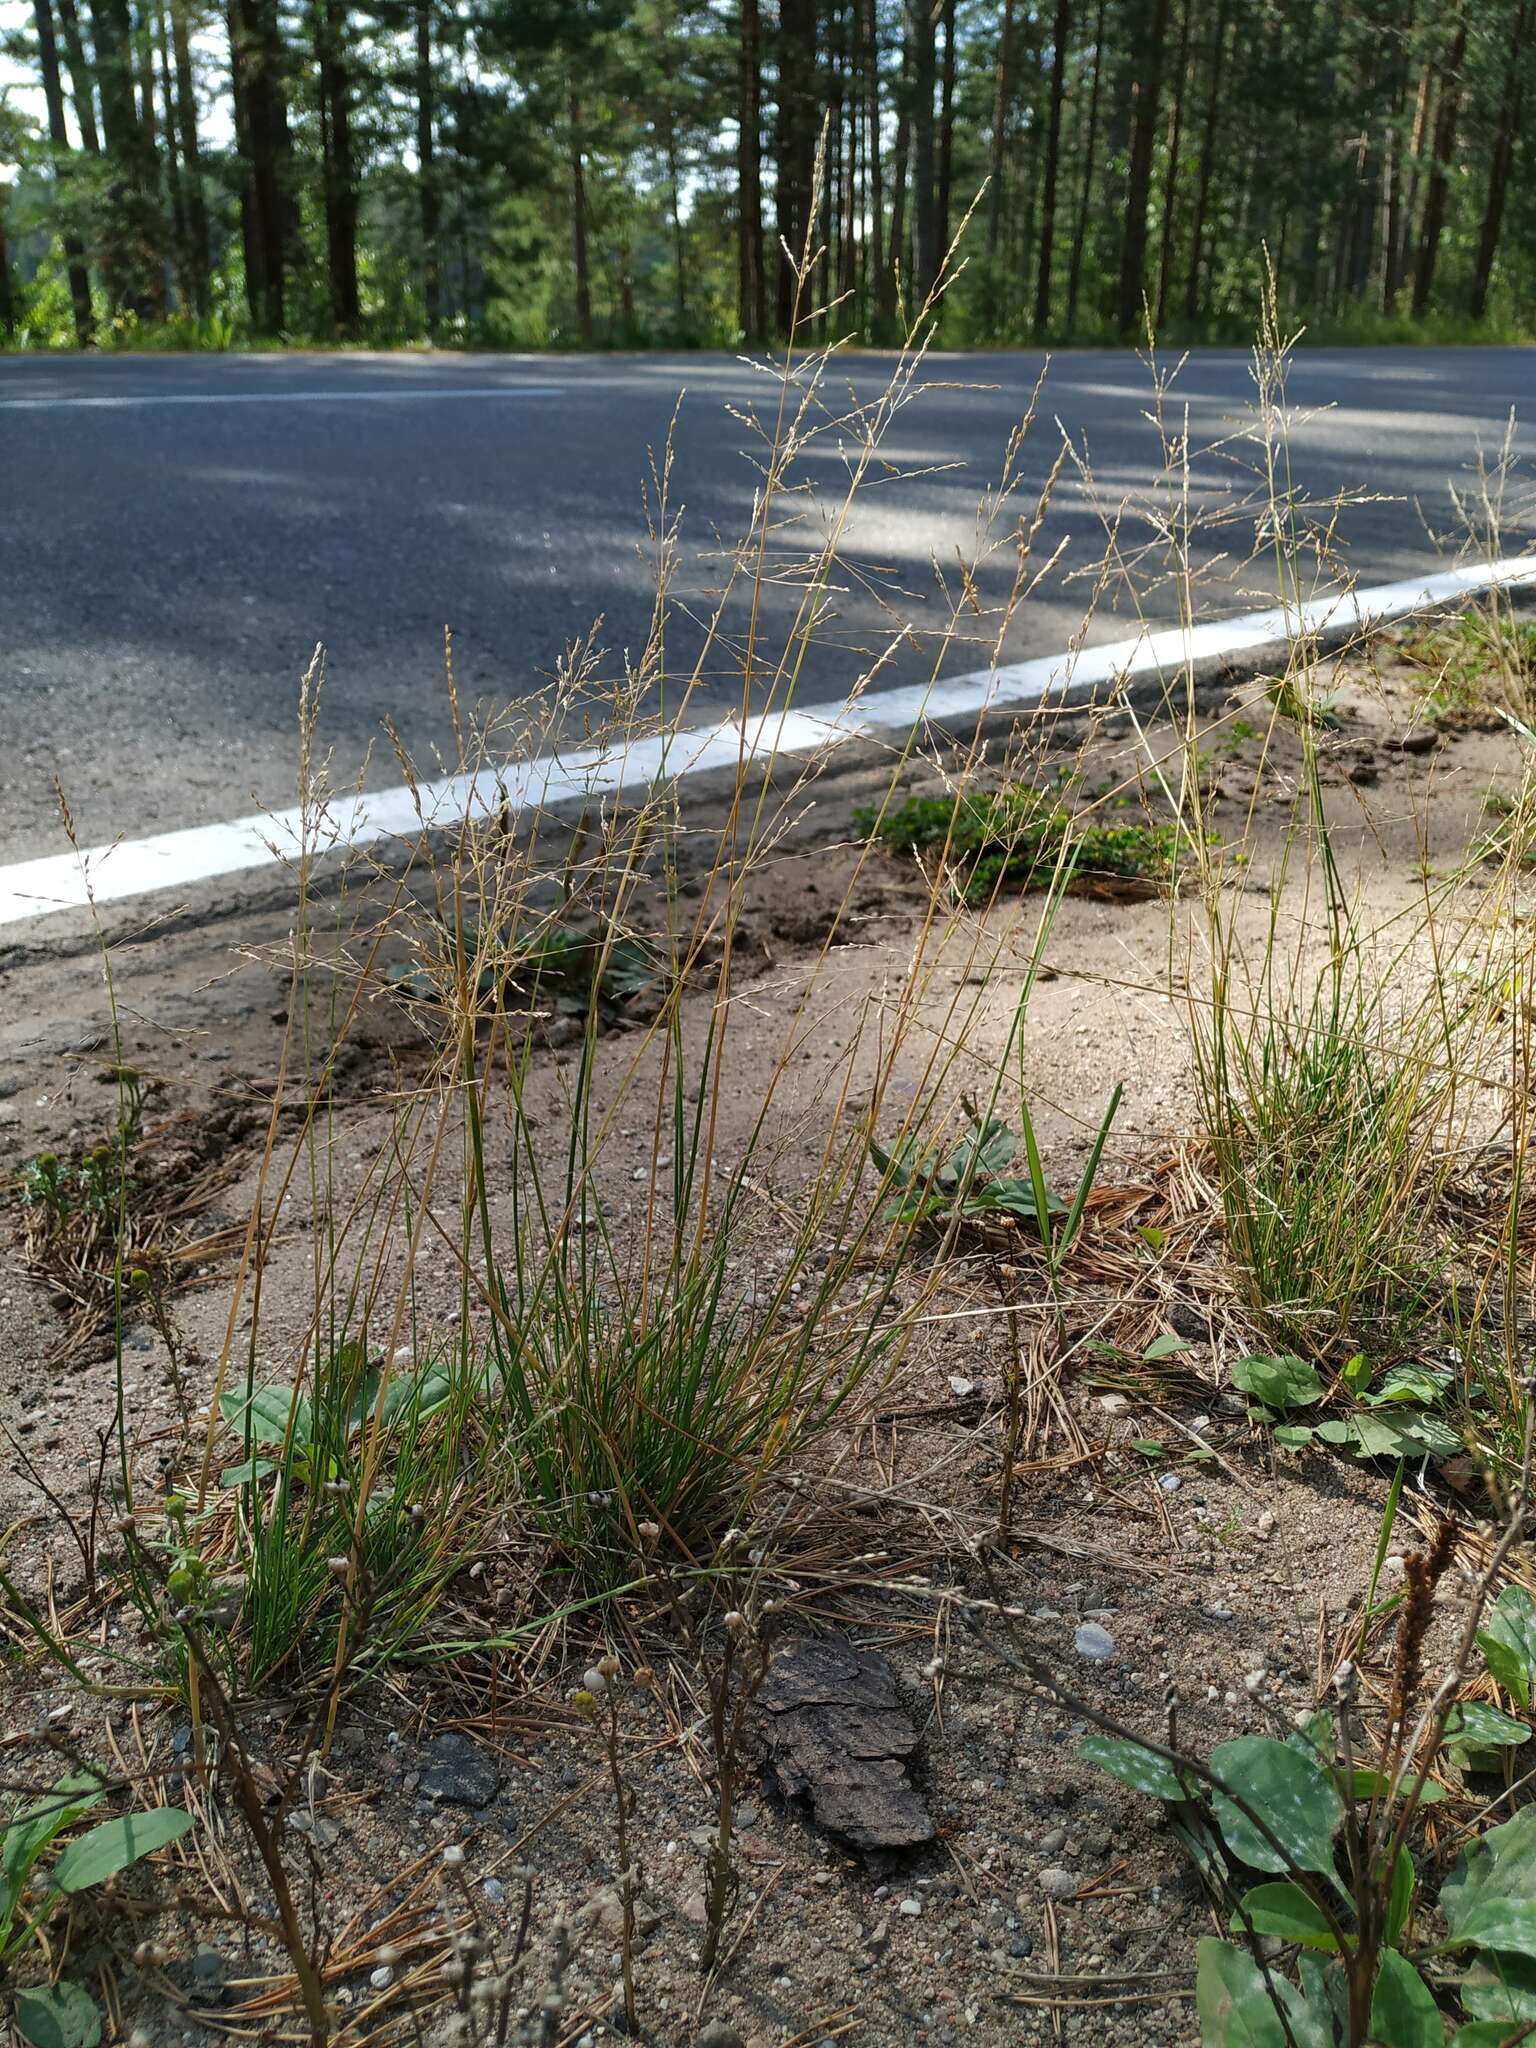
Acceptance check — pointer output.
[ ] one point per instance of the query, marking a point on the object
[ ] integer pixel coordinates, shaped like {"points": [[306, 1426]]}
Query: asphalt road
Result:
{"points": [[176, 534]]}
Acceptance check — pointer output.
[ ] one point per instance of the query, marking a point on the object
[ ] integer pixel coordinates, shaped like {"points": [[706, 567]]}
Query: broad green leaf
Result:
{"points": [[243, 1475], [1508, 1642], [1400, 1901], [1499, 1865], [1411, 1433], [1314, 1737], [1017, 1198], [419, 1394], [1292, 1792], [1500, 1988], [1486, 2034], [115, 1844], [268, 1410], [1237, 2006], [1233, 2001], [1294, 1435], [1356, 1372], [1166, 1346], [1508, 1925], [1285, 1910], [29, 1833], [991, 1148], [1408, 1383], [1322, 2022], [61, 2015], [1133, 1766], [1472, 1724], [1403, 2009], [1283, 1382]]}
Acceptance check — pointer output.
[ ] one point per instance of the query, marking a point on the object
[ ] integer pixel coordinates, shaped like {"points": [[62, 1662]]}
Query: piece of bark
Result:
{"points": [[837, 1735]]}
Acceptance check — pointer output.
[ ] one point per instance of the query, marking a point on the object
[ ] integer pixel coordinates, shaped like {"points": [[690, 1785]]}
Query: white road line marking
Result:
{"points": [[116, 400], [175, 860]]}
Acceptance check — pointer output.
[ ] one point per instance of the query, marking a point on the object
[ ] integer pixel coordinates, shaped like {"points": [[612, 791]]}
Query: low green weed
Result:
{"points": [[1483, 660], [945, 1187], [1017, 837], [1307, 1844], [61, 2013], [1390, 1416]]}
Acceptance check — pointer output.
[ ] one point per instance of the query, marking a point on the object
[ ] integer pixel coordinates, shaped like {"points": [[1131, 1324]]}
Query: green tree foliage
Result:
{"points": [[621, 172]]}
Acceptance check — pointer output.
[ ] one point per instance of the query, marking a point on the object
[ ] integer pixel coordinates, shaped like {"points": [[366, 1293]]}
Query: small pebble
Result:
{"points": [[911, 1907], [1094, 1643], [1057, 1883]]}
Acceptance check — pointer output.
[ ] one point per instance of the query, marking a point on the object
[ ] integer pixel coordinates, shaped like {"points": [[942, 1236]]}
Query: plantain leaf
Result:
{"points": [[268, 1410], [1498, 1865], [1508, 1925], [1287, 1911], [107, 1849], [1508, 1642], [1472, 1726], [1133, 1766], [61, 2015], [29, 1833], [1400, 1900], [1403, 2009], [1292, 1792], [1283, 1382], [1240, 2008]]}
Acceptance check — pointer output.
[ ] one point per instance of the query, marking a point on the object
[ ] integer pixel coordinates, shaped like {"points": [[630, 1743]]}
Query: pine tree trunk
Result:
{"points": [[426, 176], [997, 155], [252, 249], [580, 259], [1060, 32], [1510, 105], [84, 90], [1147, 91], [1409, 187], [198, 253], [795, 144], [1439, 170], [946, 135], [751, 284], [339, 173], [58, 135], [262, 132], [1194, 290], [873, 156], [925, 219], [174, 186], [130, 242], [1085, 190], [1171, 179]]}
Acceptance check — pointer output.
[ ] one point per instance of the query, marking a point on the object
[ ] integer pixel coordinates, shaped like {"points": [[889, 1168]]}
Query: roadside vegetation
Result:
{"points": [[595, 1353], [624, 173]]}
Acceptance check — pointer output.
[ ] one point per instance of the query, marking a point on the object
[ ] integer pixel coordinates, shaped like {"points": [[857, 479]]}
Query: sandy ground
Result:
{"points": [[1053, 1903]]}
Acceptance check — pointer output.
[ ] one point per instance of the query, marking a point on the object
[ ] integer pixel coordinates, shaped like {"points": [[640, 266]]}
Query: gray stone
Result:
{"points": [[458, 1772], [1094, 1643], [716, 2034], [1057, 1883]]}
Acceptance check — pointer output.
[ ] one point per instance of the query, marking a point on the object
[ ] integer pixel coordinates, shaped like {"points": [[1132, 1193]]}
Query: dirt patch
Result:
{"points": [[1052, 1903]]}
